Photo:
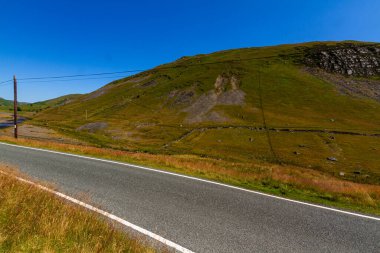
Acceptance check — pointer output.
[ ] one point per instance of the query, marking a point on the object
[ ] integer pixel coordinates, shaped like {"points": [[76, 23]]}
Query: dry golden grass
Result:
{"points": [[299, 182], [310, 179], [33, 220]]}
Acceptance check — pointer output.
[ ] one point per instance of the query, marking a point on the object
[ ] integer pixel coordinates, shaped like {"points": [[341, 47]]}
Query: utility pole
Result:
{"points": [[15, 106]]}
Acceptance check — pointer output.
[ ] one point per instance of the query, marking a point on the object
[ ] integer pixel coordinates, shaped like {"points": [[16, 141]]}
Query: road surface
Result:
{"points": [[200, 216]]}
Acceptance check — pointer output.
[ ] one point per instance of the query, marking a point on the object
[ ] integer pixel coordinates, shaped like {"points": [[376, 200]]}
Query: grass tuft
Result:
{"points": [[32, 220]]}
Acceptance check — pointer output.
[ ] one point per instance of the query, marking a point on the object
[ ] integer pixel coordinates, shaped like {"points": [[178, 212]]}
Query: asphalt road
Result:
{"points": [[9, 123], [197, 215]]}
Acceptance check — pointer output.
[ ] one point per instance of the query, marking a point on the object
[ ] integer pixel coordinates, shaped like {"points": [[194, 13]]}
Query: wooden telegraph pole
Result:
{"points": [[15, 105]]}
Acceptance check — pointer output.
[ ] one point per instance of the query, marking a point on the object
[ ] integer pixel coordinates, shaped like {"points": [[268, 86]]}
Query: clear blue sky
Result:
{"points": [[45, 37]]}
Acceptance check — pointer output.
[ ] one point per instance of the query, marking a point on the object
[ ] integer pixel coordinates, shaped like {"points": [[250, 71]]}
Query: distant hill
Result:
{"points": [[5, 103], [38, 106], [318, 102], [51, 103], [8, 104]]}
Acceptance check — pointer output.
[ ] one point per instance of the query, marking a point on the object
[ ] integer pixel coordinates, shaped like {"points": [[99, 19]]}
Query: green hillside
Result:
{"points": [[51, 103], [7, 105], [309, 105]]}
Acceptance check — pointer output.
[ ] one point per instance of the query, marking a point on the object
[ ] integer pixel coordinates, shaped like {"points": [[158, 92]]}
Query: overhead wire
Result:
{"points": [[269, 139], [4, 83], [79, 75], [67, 80], [153, 69]]}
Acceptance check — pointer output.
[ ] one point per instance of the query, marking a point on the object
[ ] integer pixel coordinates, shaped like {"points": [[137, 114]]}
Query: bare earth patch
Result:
{"points": [[226, 92], [5, 116], [37, 132], [93, 127]]}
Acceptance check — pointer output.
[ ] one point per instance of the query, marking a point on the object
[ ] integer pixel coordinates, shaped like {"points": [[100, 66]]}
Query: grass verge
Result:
{"points": [[32, 220], [287, 181]]}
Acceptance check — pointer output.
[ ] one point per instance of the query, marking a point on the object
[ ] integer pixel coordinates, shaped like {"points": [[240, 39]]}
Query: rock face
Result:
{"points": [[223, 81], [348, 59], [226, 92]]}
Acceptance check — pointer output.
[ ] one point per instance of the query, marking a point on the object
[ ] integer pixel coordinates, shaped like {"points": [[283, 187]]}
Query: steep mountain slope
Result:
{"points": [[313, 105]]}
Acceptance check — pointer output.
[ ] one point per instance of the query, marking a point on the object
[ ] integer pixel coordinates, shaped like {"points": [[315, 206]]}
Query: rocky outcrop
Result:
{"points": [[226, 92], [223, 82], [362, 60]]}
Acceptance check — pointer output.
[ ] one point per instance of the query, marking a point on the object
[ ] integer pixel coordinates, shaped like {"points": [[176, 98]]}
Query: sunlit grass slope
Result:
{"points": [[167, 110]]}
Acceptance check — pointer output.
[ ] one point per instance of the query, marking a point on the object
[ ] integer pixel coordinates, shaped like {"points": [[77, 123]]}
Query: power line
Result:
{"points": [[264, 120], [10, 80], [80, 75], [153, 69], [66, 80]]}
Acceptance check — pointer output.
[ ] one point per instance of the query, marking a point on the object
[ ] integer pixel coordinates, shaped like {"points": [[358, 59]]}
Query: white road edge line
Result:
{"points": [[106, 214], [198, 179]]}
